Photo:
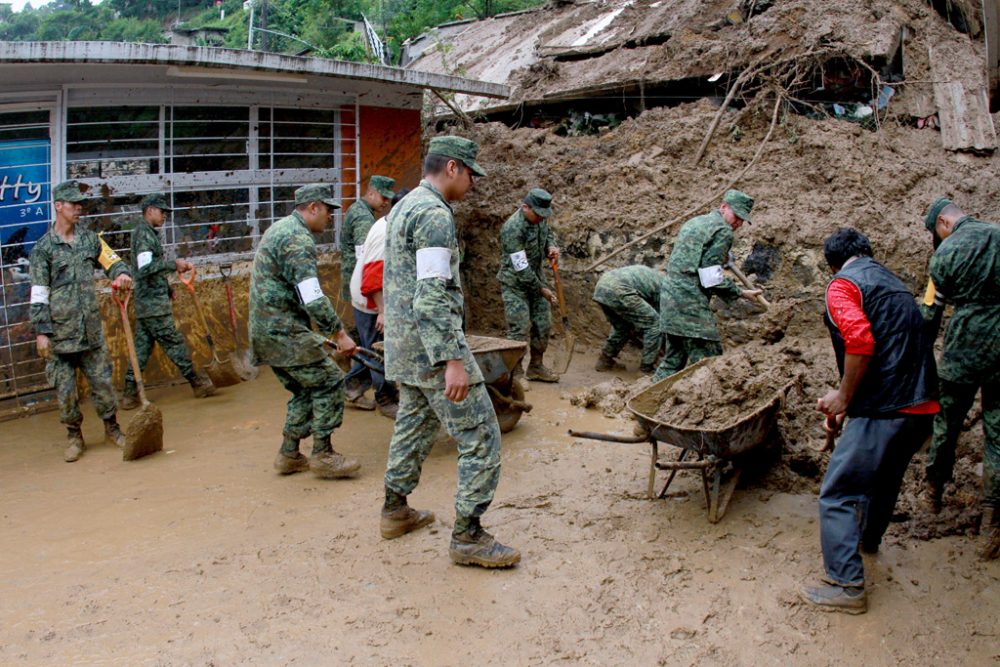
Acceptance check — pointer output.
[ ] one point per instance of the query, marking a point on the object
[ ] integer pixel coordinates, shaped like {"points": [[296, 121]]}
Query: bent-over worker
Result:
{"points": [[630, 299]]}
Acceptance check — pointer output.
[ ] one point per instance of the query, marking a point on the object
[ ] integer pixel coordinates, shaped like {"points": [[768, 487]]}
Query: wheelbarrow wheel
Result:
{"points": [[507, 415]]}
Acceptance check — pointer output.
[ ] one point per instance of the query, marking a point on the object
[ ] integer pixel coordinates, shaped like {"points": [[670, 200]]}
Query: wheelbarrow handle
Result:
{"points": [[607, 437]]}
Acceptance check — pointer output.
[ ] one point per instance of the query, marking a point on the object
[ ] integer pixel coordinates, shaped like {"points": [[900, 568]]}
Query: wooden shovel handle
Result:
{"points": [[554, 263], [748, 284], [189, 283], [133, 359]]}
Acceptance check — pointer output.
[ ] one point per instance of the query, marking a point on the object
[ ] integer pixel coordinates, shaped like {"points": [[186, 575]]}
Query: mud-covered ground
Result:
{"points": [[201, 555]]}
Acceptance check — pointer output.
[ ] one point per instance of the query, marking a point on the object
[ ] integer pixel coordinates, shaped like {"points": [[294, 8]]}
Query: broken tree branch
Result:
{"points": [[715, 196], [737, 84], [464, 117]]}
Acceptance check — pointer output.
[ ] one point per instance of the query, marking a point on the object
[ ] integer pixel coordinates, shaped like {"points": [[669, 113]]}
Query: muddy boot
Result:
{"points": [[471, 545], [328, 464], [130, 397], [831, 597], [201, 386], [538, 371], [605, 364], [356, 399], [113, 433], [931, 496], [387, 407], [74, 444], [989, 534], [398, 518], [289, 460]]}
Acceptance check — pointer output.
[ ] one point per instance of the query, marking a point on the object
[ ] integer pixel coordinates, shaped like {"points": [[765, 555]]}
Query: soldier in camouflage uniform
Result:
{"points": [[358, 220], [426, 352], [285, 295], [694, 274], [66, 319], [965, 271], [154, 322], [630, 299], [525, 241]]}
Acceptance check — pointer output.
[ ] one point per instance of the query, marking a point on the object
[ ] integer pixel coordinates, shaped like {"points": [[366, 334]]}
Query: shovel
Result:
{"points": [[569, 339], [223, 373], [242, 361], [731, 265], [144, 434]]}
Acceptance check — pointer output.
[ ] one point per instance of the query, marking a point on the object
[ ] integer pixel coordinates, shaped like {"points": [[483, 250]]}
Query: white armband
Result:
{"points": [[359, 252], [710, 276], [433, 263], [309, 290], [519, 259], [39, 294], [143, 259]]}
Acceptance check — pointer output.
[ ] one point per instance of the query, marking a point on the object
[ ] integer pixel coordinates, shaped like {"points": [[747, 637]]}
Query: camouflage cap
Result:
{"points": [[383, 185], [459, 148], [930, 219], [317, 192], [68, 191], [540, 202], [740, 202], [157, 199]]}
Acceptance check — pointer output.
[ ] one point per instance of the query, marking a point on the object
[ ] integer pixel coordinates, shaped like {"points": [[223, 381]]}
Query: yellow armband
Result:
{"points": [[929, 293], [108, 256]]}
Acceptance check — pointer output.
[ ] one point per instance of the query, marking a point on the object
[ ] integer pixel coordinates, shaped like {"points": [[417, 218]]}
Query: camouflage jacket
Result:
{"points": [[423, 313], [150, 271], [358, 222], [284, 294], [523, 248], [684, 304], [647, 282], [63, 296], [966, 273]]}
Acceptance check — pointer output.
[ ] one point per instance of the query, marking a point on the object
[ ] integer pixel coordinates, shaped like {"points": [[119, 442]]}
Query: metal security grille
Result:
{"points": [[228, 169]]}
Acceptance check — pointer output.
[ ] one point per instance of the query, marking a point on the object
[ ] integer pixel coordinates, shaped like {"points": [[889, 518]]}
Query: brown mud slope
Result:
{"points": [[814, 176], [203, 555]]}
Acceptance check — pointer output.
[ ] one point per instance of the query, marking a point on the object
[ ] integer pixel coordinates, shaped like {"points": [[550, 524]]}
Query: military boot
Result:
{"points": [[130, 397], [113, 433], [289, 460], [471, 545], [398, 518], [387, 407], [606, 363], [325, 463], [201, 386], [75, 445], [356, 398], [989, 533], [538, 371]]}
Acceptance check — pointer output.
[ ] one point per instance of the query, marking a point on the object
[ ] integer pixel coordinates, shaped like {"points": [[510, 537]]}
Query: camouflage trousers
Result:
{"points": [[60, 370], [956, 401], [682, 351], [640, 318], [317, 403], [473, 425], [528, 316], [152, 330]]}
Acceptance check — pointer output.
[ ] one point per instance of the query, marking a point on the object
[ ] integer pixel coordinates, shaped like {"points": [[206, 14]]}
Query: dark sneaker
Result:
{"points": [[75, 446], [129, 402], [113, 434], [288, 465], [388, 409], [362, 402], [606, 363], [541, 373], [989, 534], [202, 386], [332, 465], [477, 547], [830, 597], [403, 520]]}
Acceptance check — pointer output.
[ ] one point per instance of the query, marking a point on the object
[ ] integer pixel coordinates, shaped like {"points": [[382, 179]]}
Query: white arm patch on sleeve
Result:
{"points": [[309, 290], [433, 263], [519, 259], [359, 252], [710, 276], [144, 258], [39, 294]]}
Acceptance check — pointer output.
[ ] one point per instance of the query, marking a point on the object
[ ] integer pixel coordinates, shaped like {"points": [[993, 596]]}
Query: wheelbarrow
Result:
{"points": [[718, 451], [497, 358]]}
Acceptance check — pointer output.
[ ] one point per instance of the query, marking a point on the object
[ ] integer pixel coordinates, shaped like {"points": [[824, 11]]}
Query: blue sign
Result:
{"points": [[24, 195]]}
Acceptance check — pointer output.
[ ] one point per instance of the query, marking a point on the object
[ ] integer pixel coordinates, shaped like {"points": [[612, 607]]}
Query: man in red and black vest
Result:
{"points": [[888, 389]]}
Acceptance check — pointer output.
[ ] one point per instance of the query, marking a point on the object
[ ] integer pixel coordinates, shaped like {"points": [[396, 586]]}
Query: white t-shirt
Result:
{"points": [[373, 250]]}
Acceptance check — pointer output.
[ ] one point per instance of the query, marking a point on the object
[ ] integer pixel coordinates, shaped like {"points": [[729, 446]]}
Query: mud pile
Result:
{"points": [[609, 397]]}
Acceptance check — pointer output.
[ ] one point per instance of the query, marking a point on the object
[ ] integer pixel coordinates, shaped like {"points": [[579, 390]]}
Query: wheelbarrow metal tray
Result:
{"points": [[496, 357], [743, 434]]}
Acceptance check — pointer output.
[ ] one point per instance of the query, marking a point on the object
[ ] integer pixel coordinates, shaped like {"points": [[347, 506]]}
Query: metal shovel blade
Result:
{"points": [[144, 434]]}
